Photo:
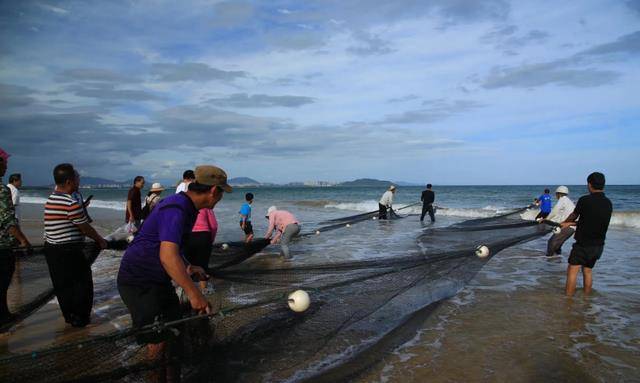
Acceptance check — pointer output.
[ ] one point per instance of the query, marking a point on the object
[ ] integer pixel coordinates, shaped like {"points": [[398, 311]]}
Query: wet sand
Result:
{"points": [[513, 323], [46, 327]]}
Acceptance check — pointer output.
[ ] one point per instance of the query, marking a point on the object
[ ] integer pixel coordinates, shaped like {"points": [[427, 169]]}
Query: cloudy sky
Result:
{"points": [[445, 91]]}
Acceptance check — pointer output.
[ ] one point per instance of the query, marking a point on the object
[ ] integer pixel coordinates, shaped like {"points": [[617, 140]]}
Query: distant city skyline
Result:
{"points": [[449, 92]]}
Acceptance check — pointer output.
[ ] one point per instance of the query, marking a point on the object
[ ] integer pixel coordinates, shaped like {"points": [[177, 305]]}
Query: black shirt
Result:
{"points": [[428, 197], [594, 212]]}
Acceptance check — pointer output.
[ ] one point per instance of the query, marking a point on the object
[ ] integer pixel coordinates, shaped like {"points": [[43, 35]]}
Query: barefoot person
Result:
{"points": [[10, 235], [427, 197], [592, 213], [245, 217], [154, 259], [558, 214], [65, 228], [386, 202], [133, 215], [286, 226], [544, 202]]}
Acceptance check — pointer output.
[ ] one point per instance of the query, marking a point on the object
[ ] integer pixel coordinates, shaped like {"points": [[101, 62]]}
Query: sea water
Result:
{"points": [[511, 323]]}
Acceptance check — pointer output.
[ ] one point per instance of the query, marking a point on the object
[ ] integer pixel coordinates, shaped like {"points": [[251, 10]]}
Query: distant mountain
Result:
{"points": [[243, 181], [367, 182], [101, 182], [371, 182]]}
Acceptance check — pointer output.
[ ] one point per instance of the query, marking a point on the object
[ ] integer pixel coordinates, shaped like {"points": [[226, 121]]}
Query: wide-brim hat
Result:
{"points": [[156, 187]]}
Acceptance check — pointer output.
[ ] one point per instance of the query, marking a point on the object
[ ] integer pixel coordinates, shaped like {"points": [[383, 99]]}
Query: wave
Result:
{"points": [[112, 205], [619, 218]]}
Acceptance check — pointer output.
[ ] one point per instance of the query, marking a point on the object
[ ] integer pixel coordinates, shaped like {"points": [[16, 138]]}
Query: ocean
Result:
{"points": [[512, 322]]}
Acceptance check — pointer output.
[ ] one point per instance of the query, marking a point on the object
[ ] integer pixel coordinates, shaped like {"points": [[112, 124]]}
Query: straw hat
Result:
{"points": [[156, 187]]}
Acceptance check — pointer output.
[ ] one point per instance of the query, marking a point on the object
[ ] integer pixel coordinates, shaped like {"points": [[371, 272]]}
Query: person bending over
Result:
{"points": [[286, 225], [558, 214], [386, 202], [155, 258]]}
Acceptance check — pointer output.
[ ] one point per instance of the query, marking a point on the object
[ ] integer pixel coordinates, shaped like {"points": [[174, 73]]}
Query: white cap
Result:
{"points": [[562, 189], [271, 210]]}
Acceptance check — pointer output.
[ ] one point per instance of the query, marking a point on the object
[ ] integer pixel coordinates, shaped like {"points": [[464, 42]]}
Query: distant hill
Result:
{"points": [[243, 181], [371, 182], [101, 182], [367, 182]]}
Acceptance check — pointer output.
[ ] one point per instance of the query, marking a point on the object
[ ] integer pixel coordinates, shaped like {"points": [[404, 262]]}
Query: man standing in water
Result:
{"points": [[558, 214], [544, 201], [245, 218], [386, 202], [10, 233], [427, 198], [133, 214], [65, 227], [155, 258], [592, 213]]}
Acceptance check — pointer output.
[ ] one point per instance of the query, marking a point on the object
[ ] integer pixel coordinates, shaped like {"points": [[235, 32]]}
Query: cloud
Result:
{"points": [[433, 110], [409, 97], [102, 91], [507, 38], [229, 14], [14, 96], [192, 72], [534, 75], [368, 44], [627, 45], [576, 70], [243, 100], [94, 74]]}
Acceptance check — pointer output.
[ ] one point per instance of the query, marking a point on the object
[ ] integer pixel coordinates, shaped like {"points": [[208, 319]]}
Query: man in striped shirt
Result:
{"points": [[65, 228]]}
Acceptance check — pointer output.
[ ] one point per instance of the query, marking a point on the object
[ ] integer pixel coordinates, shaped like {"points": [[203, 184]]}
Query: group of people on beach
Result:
{"points": [[184, 223], [587, 221]]}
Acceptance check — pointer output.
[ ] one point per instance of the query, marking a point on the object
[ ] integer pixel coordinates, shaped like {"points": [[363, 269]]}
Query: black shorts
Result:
{"points": [[542, 215], [147, 303], [248, 227], [585, 255], [198, 248]]}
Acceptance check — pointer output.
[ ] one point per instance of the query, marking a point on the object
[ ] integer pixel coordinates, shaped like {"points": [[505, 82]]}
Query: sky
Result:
{"points": [[440, 91]]}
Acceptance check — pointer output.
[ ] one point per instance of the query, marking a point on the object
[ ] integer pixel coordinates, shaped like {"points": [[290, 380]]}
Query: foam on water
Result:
{"points": [[112, 205]]}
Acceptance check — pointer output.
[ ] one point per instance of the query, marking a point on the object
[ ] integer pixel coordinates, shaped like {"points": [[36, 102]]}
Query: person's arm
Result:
{"points": [[422, 197], [573, 217], [211, 221], [175, 267], [17, 233], [90, 232], [130, 210], [272, 225]]}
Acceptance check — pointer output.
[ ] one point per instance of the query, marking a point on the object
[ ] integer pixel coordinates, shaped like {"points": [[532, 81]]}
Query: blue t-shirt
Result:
{"points": [[545, 203], [171, 220], [245, 210]]}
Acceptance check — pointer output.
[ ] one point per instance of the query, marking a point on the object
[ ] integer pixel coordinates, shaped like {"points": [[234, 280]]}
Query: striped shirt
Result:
{"points": [[62, 214]]}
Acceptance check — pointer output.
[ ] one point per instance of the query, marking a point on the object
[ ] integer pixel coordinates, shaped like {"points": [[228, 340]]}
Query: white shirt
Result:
{"points": [[183, 187], [387, 198], [15, 198], [563, 208]]}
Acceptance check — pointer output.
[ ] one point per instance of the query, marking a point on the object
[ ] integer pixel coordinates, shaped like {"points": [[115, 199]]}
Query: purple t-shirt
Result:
{"points": [[171, 220]]}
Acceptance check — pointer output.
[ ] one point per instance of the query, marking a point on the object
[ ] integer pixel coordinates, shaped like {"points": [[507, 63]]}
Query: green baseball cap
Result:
{"points": [[212, 176]]}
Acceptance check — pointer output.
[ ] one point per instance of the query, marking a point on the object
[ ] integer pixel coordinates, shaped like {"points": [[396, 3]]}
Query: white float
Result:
{"points": [[299, 301], [348, 225], [557, 230], [225, 246], [482, 251], [317, 232]]}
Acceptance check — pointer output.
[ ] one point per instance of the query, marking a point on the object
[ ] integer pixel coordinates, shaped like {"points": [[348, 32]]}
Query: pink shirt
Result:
{"points": [[279, 219], [206, 221]]}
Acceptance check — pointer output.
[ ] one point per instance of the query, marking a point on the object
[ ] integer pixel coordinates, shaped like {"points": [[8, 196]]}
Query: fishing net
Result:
{"points": [[356, 307]]}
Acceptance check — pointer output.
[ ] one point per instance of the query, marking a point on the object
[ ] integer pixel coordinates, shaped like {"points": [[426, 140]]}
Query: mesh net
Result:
{"points": [[355, 307]]}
